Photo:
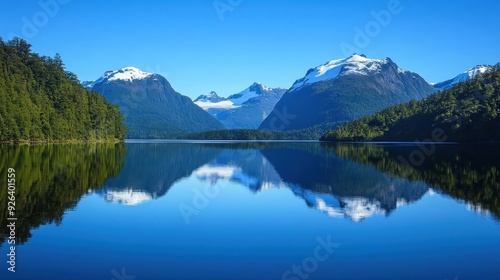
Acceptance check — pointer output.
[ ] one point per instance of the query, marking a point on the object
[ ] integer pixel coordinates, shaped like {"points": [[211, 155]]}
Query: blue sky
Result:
{"points": [[225, 45]]}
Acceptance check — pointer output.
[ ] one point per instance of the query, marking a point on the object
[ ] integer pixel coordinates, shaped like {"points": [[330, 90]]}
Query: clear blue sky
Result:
{"points": [[199, 48]]}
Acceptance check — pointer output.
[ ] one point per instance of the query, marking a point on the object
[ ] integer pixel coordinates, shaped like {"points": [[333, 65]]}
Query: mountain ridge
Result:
{"points": [[150, 106], [242, 110], [343, 90], [463, 77]]}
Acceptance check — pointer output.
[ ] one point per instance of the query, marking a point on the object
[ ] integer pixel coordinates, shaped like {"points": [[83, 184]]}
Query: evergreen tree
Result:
{"points": [[41, 101]]}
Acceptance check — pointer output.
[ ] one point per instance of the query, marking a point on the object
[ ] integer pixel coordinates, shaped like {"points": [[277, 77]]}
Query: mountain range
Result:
{"points": [[246, 109], [343, 90], [463, 77], [327, 96], [150, 106]]}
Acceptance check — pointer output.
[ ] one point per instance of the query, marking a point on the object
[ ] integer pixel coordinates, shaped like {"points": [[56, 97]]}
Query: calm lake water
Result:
{"points": [[274, 210]]}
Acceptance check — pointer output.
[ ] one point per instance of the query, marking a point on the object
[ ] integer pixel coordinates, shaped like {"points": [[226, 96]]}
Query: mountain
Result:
{"points": [[246, 109], [343, 90], [467, 112], [41, 101], [151, 107], [87, 84], [463, 77], [209, 98]]}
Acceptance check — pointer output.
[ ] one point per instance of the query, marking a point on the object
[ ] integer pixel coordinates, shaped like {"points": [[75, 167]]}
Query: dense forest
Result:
{"points": [[41, 101], [468, 112], [237, 134], [312, 133]]}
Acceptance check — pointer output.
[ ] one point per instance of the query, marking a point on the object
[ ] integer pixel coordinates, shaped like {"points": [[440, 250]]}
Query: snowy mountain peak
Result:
{"points": [[252, 91], [478, 70], [127, 74], [257, 85], [257, 101], [354, 65], [87, 84], [463, 77], [209, 97]]}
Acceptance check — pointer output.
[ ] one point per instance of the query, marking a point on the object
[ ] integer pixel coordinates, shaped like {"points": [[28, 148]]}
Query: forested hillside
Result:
{"points": [[41, 101], [467, 112]]}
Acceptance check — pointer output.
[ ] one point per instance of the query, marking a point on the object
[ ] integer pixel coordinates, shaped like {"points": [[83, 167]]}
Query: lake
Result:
{"points": [[252, 210]]}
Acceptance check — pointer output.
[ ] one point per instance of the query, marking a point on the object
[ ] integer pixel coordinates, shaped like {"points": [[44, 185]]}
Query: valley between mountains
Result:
{"points": [[349, 99]]}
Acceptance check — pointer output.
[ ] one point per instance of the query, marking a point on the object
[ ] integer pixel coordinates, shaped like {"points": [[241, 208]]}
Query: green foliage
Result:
{"points": [[152, 109], [41, 101], [345, 98], [467, 112], [51, 178], [237, 134], [312, 133]]}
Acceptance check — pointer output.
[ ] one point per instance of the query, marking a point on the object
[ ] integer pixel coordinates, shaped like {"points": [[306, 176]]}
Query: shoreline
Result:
{"points": [[35, 142]]}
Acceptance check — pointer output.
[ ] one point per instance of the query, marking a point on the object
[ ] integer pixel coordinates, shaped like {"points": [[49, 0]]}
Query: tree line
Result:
{"points": [[41, 101], [468, 112]]}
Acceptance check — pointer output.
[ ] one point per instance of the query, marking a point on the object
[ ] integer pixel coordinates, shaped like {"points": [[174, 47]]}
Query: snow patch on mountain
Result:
{"points": [[226, 104], [213, 101], [127, 74], [463, 77], [353, 65], [242, 97]]}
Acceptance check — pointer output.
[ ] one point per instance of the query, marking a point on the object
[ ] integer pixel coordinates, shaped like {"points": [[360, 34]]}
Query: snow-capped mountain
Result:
{"points": [[150, 106], [87, 84], [127, 74], [342, 90], [463, 77], [212, 102], [211, 97], [353, 65], [246, 109]]}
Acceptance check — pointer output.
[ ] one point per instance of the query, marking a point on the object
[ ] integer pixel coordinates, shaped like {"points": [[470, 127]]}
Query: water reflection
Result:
{"points": [[469, 173], [52, 178], [151, 169], [340, 180]]}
